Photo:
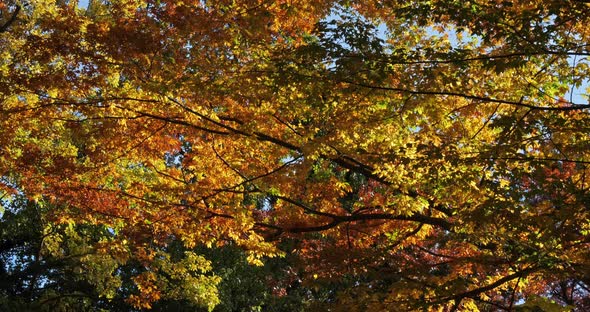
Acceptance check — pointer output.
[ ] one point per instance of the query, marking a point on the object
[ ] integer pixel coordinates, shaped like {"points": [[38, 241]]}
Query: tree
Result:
{"points": [[49, 267], [422, 155]]}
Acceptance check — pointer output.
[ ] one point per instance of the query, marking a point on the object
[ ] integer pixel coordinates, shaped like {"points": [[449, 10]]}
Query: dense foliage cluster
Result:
{"points": [[294, 155]]}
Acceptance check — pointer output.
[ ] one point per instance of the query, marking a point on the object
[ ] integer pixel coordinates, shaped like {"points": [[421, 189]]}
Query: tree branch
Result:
{"points": [[4, 27], [573, 106]]}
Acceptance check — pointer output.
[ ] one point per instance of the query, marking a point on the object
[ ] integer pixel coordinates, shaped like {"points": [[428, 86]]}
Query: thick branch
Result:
{"points": [[572, 106], [337, 220], [476, 292], [4, 27]]}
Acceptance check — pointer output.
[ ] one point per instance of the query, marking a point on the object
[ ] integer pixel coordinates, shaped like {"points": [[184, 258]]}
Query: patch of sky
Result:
{"points": [[345, 32], [83, 4], [580, 86]]}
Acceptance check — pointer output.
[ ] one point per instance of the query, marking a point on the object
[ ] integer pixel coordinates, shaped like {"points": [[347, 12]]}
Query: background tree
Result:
{"points": [[48, 267]]}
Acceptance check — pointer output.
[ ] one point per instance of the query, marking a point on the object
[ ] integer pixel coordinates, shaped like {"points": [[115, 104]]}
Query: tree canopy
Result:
{"points": [[370, 155]]}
